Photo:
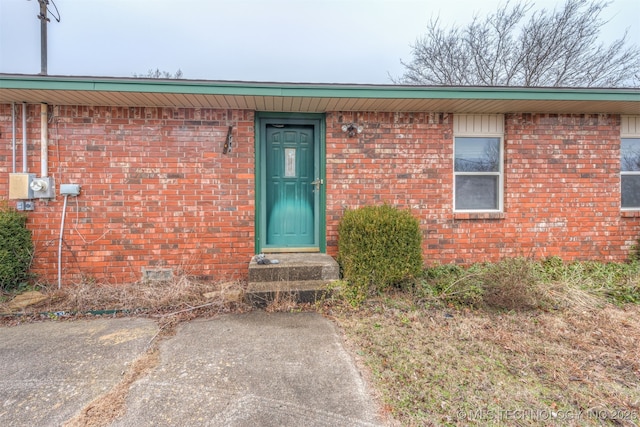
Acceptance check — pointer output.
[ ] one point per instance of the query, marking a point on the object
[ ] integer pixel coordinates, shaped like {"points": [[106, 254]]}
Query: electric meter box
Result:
{"points": [[43, 188], [20, 186]]}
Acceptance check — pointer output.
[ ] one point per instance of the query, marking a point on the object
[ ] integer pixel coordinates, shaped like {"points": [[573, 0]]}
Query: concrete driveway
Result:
{"points": [[254, 369]]}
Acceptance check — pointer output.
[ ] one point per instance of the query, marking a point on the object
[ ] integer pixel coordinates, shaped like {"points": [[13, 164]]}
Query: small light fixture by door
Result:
{"points": [[352, 129]]}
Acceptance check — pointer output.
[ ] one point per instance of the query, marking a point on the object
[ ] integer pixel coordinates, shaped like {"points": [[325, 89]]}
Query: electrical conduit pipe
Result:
{"points": [[24, 137], [64, 211], [44, 136], [13, 136]]}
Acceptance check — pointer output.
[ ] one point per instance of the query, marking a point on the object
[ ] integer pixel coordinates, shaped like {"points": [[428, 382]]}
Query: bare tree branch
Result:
{"points": [[558, 48], [157, 74]]}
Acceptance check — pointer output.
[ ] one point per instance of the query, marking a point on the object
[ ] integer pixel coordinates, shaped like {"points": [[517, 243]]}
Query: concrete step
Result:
{"points": [[261, 294], [294, 267], [302, 277]]}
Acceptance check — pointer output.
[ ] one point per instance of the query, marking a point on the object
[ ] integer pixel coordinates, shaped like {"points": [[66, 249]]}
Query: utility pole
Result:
{"points": [[43, 36]]}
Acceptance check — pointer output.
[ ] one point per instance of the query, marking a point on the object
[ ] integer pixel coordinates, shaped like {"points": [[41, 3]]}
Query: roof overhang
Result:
{"points": [[313, 98]]}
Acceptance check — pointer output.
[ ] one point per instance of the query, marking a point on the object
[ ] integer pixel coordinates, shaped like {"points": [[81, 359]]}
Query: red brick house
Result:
{"points": [[196, 177]]}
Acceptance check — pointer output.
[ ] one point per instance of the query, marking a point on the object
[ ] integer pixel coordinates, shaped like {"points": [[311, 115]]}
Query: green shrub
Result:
{"points": [[16, 249], [379, 247]]}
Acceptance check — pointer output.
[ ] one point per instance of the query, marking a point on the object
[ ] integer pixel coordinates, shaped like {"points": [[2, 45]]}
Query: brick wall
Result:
{"points": [[157, 192], [561, 185]]}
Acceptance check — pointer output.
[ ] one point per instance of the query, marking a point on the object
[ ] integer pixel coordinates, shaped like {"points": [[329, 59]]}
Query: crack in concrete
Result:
{"points": [[110, 406]]}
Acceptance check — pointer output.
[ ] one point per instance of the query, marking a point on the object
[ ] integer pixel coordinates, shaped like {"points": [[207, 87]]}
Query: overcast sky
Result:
{"points": [[323, 41]]}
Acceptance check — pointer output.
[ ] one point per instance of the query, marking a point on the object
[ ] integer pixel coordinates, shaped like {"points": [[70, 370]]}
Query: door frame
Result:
{"points": [[262, 119]]}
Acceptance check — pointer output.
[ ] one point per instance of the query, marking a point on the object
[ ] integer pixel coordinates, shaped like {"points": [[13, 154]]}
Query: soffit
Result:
{"points": [[312, 98]]}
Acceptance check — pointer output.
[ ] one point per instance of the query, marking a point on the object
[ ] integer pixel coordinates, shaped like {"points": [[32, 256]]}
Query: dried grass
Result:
{"points": [[571, 297], [150, 297], [287, 302], [283, 301], [513, 284], [471, 367]]}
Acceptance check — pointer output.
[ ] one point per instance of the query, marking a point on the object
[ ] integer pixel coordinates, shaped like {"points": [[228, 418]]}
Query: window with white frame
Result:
{"points": [[630, 172], [478, 158], [630, 162]]}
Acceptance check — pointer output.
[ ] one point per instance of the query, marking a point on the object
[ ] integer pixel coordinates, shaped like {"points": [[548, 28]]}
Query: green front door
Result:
{"points": [[291, 186]]}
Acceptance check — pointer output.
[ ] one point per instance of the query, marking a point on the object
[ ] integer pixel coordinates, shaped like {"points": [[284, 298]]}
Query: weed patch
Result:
{"points": [[514, 284], [525, 284], [450, 284]]}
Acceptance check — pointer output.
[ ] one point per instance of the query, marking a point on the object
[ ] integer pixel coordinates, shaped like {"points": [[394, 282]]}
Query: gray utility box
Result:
{"points": [[69, 189]]}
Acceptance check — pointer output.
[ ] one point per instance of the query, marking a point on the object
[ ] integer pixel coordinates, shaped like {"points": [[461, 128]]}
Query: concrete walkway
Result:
{"points": [[254, 369]]}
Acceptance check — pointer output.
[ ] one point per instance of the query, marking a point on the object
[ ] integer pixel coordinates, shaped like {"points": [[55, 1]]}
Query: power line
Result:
{"points": [[58, 17]]}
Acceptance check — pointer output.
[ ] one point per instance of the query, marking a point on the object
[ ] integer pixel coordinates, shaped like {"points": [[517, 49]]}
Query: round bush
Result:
{"points": [[16, 249], [378, 247]]}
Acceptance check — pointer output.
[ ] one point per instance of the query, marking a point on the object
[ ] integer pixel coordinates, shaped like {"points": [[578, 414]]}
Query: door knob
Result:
{"points": [[317, 183]]}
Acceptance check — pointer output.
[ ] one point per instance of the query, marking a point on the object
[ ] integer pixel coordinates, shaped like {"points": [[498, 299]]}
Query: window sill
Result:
{"points": [[630, 214], [478, 215]]}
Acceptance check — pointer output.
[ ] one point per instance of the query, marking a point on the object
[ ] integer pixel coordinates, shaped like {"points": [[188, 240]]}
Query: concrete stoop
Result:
{"points": [[303, 277]]}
